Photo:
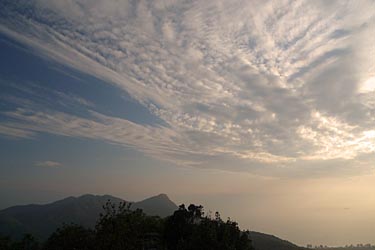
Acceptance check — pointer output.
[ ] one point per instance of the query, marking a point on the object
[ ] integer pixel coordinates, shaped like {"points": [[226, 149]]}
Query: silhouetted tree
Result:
{"points": [[121, 228], [28, 242], [5, 243], [187, 229], [71, 237]]}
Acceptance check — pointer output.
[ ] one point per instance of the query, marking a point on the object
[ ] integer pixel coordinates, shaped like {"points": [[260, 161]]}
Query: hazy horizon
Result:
{"points": [[273, 215], [262, 110]]}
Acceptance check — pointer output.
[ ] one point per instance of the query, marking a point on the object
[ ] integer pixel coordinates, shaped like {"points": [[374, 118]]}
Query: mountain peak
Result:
{"points": [[161, 196], [157, 205], [96, 196]]}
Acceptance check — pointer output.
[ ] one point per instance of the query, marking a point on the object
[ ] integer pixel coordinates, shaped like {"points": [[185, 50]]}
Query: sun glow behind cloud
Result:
{"points": [[368, 85]]}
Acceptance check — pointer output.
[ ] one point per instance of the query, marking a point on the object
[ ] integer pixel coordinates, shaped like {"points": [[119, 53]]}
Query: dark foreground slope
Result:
{"points": [[263, 241], [42, 220]]}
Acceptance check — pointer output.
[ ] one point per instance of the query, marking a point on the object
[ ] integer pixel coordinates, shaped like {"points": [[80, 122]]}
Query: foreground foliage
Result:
{"points": [[120, 228]]}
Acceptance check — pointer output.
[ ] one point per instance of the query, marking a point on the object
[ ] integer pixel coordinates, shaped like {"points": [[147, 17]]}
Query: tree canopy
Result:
{"points": [[121, 228]]}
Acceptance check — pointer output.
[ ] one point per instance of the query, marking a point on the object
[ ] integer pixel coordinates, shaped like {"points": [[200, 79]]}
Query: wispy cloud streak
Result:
{"points": [[50, 164]]}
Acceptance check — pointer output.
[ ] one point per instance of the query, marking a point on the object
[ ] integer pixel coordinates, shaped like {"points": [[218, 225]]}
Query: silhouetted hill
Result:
{"points": [[42, 220], [263, 241], [159, 205]]}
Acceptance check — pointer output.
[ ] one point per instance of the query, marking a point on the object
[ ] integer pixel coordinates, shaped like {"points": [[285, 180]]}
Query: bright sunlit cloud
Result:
{"points": [[368, 85]]}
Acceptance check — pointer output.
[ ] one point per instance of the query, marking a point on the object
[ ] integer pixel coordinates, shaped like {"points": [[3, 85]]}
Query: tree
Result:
{"points": [[28, 242], [121, 228], [188, 229], [71, 237], [5, 243]]}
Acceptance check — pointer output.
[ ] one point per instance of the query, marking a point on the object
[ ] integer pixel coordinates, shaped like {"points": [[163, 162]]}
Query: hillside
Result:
{"points": [[263, 241]]}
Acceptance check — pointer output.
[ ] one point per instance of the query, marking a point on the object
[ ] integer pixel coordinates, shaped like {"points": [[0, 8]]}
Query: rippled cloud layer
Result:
{"points": [[272, 87]]}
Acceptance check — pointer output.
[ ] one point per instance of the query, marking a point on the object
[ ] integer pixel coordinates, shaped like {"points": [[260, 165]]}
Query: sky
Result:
{"points": [[263, 110]]}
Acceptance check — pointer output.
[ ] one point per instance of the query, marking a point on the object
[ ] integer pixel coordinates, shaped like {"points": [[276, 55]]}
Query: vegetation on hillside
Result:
{"points": [[120, 228]]}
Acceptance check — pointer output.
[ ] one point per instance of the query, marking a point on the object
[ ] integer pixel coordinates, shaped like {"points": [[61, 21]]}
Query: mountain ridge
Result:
{"points": [[42, 219]]}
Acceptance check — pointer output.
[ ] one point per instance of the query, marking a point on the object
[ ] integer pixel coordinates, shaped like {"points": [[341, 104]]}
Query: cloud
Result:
{"points": [[265, 84], [157, 141], [48, 164], [14, 132]]}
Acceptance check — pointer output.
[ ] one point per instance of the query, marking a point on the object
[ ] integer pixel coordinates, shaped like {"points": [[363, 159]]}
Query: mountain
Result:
{"points": [[263, 241], [159, 205], [42, 220]]}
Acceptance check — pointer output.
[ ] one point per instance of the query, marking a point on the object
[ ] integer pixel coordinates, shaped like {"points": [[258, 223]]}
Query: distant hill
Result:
{"points": [[263, 241], [42, 220], [159, 205]]}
